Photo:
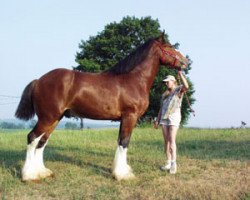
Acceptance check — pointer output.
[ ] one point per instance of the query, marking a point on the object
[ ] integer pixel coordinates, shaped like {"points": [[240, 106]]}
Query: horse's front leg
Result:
{"points": [[121, 170]]}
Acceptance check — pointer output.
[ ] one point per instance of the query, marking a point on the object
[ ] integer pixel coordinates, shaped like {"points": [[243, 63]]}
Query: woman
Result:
{"points": [[169, 117]]}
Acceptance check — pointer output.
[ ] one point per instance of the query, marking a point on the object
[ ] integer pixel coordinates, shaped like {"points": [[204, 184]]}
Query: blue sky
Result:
{"points": [[38, 36]]}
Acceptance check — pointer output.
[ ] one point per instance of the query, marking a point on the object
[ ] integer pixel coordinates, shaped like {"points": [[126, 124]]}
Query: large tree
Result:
{"points": [[118, 40]]}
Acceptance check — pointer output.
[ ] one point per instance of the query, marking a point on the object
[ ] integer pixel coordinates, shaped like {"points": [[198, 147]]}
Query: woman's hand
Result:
{"points": [[180, 72], [156, 125]]}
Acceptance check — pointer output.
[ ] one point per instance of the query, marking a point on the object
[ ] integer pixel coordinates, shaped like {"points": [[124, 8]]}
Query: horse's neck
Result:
{"points": [[147, 71]]}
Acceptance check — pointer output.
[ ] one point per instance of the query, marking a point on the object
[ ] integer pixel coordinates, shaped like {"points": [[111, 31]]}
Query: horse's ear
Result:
{"points": [[161, 39]]}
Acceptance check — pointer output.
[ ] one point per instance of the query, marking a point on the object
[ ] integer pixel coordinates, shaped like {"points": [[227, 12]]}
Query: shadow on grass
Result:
{"points": [[205, 149], [11, 160], [88, 159], [93, 159]]}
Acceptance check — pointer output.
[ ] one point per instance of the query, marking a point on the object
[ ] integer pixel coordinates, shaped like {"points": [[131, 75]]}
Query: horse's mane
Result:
{"points": [[132, 60]]}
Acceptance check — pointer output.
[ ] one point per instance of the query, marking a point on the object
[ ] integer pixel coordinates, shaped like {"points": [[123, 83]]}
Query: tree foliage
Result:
{"points": [[11, 125], [70, 126], [118, 40]]}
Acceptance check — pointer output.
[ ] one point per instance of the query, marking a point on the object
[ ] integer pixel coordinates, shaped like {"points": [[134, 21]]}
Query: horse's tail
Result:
{"points": [[25, 109]]}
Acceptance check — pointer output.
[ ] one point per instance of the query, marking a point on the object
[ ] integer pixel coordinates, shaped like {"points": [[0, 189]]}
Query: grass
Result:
{"points": [[212, 164]]}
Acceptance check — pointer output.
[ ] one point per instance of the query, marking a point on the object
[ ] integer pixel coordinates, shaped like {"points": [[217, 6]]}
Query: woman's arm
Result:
{"points": [[184, 81], [159, 117]]}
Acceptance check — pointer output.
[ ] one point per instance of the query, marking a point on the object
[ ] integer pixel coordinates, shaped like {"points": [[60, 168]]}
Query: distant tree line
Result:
{"points": [[71, 126], [11, 125]]}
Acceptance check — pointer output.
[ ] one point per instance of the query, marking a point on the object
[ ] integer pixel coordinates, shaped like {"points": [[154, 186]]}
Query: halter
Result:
{"points": [[169, 53]]}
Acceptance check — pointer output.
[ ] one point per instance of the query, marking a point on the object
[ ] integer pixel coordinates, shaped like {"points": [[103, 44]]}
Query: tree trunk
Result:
{"points": [[81, 124]]}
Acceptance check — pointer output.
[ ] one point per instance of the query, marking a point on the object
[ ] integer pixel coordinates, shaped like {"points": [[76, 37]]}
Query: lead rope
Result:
{"points": [[186, 96]]}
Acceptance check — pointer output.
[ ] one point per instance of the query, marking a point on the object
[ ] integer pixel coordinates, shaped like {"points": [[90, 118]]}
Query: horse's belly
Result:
{"points": [[97, 110]]}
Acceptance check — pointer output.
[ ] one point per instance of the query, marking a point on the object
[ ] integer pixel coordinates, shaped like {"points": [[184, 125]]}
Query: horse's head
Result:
{"points": [[170, 56]]}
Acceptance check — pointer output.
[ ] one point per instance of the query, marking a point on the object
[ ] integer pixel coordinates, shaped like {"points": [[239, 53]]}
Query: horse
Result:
{"points": [[120, 93]]}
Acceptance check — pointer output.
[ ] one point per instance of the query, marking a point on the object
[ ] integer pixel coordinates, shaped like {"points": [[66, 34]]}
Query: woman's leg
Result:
{"points": [[172, 130], [167, 152], [172, 138], [166, 137]]}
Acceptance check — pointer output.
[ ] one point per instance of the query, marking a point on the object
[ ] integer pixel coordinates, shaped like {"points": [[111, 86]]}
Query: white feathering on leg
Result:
{"points": [[29, 171], [121, 170], [42, 170], [34, 168]]}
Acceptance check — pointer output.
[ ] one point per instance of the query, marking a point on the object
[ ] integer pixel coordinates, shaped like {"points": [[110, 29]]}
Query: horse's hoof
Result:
{"points": [[124, 175], [38, 176], [28, 180], [44, 173]]}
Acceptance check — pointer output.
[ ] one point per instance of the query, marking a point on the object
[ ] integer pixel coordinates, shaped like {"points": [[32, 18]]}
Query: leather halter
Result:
{"points": [[169, 53]]}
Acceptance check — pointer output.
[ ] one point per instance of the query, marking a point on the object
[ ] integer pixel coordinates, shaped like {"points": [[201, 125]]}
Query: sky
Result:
{"points": [[38, 36]]}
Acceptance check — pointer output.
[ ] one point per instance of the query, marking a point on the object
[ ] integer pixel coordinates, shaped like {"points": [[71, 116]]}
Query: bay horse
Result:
{"points": [[120, 93]]}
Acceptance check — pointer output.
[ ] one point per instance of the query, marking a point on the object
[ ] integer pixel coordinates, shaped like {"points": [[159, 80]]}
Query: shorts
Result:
{"points": [[171, 121]]}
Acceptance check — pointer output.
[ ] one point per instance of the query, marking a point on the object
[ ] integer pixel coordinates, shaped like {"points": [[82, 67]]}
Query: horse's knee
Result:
{"points": [[124, 142]]}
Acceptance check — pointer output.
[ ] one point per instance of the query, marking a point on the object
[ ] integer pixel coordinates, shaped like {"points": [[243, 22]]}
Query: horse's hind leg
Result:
{"points": [[34, 169]]}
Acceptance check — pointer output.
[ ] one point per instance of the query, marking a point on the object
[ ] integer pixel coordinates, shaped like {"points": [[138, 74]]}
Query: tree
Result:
{"points": [[70, 125], [81, 123], [118, 40], [11, 125]]}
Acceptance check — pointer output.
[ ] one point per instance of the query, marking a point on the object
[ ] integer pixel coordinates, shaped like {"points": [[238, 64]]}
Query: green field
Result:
{"points": [[212, 164]]}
